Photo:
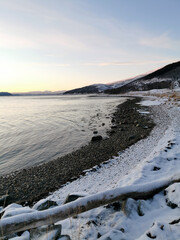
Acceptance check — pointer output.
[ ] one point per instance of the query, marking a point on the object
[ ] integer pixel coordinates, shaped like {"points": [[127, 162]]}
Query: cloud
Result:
{"points": [[162, 41], [104, 64]]}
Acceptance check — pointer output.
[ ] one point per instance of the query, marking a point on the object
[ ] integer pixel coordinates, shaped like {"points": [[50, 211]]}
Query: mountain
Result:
{"points": [[38, 93], [5, 94], [166, 77], [99, 88], [95, 88]]}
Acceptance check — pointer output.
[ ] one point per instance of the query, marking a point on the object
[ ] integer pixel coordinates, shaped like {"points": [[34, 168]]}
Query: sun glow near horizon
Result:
{"points": [[60, 45]]}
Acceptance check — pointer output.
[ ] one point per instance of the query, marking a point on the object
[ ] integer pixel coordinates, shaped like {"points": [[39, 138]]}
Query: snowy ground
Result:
{"points": [[154, 158]]}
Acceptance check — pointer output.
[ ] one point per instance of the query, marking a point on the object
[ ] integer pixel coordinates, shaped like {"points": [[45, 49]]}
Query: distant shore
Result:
{"points": [[32, 184]]}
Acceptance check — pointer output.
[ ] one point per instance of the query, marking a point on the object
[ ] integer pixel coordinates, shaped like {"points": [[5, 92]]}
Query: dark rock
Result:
{"points": [[175, 221], [99, 235], [103, 124], [64, 237], [96, 138], [156, 168], [95, 132], [113, 120], [150, 236], [114, 126], [116, 206], [72, 197], [132, 137], [44, 204], [91, 222]]}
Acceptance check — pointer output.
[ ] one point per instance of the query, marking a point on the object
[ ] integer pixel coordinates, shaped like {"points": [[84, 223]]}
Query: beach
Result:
{"points": [[129, 125]]}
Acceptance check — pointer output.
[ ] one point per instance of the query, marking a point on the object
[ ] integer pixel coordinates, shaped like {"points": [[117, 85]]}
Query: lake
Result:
{"points": [[36, 129]]}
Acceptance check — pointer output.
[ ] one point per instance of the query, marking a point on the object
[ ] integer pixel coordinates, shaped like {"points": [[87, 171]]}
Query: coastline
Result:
{"points": [[32, 184]]}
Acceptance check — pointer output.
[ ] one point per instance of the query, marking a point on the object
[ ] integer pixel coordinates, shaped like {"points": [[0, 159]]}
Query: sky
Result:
{"points": [[64, 44]]}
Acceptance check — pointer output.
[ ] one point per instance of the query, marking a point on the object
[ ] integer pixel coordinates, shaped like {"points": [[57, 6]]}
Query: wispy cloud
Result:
{"points": [[162, 41], [104, 64]]}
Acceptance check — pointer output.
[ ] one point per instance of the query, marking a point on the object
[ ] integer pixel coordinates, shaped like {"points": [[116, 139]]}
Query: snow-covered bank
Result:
{"points": [[153, 158], [149, 160]]}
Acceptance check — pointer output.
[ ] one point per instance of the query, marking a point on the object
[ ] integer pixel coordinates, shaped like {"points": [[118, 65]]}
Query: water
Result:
{"points": [[35, 129]]}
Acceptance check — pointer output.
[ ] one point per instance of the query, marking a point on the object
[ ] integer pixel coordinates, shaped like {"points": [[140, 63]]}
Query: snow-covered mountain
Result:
{"points": [[166, 77], [98, 88]]}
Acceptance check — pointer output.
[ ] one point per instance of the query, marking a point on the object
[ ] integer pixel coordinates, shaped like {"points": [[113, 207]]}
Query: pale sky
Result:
{"points": [[64, 44]]}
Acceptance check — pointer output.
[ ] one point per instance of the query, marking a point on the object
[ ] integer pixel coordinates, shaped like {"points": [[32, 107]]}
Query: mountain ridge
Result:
{"points": [[165, 77]]}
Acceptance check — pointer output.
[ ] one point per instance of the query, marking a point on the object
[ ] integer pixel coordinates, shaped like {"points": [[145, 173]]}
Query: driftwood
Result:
{"points": [[36, 219]]}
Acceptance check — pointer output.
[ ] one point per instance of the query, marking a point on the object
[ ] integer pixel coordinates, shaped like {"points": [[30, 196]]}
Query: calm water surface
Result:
{"points": [[34, 130]]}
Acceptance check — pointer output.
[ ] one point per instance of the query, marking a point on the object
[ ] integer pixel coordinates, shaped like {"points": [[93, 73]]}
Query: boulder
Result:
{"points": [[96, 138], [44, 204], [72, 197], [64, 237]]}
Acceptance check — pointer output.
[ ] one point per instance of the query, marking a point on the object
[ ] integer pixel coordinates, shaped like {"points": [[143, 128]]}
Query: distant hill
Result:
{"points": [[166, 77], [5, 94], [100, 88], [95, 88], [38, 93]]}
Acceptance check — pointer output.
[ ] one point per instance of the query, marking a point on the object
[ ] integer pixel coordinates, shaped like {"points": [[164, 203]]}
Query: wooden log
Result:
{"points": [[36, 219]]}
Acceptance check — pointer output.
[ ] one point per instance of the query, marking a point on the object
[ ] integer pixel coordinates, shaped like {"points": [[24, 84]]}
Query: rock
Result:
{"points": [[132, 137], [116, 206], [24, 236], [114, 126], [5, 200], [156, 168], [103, 124], [96, 138], [64, 237], [95, 132], [113, 120], [44, 204], [73, 197], [51, 232], [172, 195], [98, 235]]}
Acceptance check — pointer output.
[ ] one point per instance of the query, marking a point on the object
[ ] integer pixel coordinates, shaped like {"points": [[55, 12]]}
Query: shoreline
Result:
{"points": [[32, 184]]}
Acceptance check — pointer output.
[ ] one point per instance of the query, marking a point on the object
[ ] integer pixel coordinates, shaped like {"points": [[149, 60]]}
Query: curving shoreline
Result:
{"points": [[29, 185]]}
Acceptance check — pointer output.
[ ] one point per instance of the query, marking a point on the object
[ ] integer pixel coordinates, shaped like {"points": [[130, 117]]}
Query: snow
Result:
{"points": [[151, 103], [147, 164], [151, 159], [173, 194]]}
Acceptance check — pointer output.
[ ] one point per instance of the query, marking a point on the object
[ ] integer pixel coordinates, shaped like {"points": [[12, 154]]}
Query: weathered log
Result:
{"points": [[36, 219]]}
